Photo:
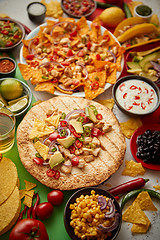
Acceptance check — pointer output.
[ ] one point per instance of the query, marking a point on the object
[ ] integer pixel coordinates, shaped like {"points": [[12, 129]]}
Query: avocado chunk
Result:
{"points": [[133, 65], [66, 142], [150, 57], [90, 114], [56, 159], [77, 126]]}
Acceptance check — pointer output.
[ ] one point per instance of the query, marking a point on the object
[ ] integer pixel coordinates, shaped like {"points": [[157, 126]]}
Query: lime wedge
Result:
{"points": [[18, 106], [1, 104], [17, 100]]}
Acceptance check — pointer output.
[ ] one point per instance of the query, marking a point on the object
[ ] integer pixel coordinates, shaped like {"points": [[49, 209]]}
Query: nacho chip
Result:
{"points": [[22, 193], [133, 169], [29, 193], [42, 149], [45, 86], [134, 214], [129, 127], [157, 187], [145, 202], [53, 8], [39, 129], [53, 120], [27, 201], [112, 77], [107, 102], [90, 93], [26, 71], [29, 185], [83, 26], [141, 228]]}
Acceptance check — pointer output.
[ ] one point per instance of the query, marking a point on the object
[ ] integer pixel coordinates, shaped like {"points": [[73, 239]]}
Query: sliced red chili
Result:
{"points": [[72, 149], [95, 85], [37, 160], [99, 116], [63, 123], [85, 118], [57, 174], [143, 106], [75, 161], [65, 63], [55, 80], [130, 107], [121, 86], [106, 37], [50, 172], [71, 128], [124, 95], [133, 87], [76, 134], [137, 97], [73, 34], [78, 144]]}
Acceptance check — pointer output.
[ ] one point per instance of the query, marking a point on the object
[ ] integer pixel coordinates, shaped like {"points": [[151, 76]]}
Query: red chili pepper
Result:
{"points": [[99, 116], [95, 85], [16, 36], [128, 186], [77, 135], [65, 63], [34, 63], [72, 149], [55, 80], [37, 160], [35, 205], [89, 45], [124, 95], [29, 212], [95, 132], [71, 128], [63, 123], [136, 104], [50, 172], [57, 174], [36, 41], [78, 144], [30, 56], [130, 107]]}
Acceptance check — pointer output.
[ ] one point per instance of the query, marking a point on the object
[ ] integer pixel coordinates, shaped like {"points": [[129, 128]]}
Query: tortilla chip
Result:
{"points": [[91, 93], [134, 214], [112, 77], [45, 87], [42, 149], [145, 202], [129, 127], [107, 103], [29, 193], [39, 129], [157, 187], [53, 120], [29, 185], [22, 193], [26, 71], [53, 8], [27, 201], [83, 26], [141, 228], [133, 169], [95, 32], [99, 77]]}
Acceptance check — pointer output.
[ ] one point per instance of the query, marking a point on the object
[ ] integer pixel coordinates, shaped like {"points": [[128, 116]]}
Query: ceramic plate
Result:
{"points": [[78, 94]]}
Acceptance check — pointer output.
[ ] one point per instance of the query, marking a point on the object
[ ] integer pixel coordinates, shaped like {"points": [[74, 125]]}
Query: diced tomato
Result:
{"points": [[73, 34], [124, 95], [30, 56], [137, 97], [121, 86], [129, 108], [36, 41], [34, 63], [86, 119], [95, 85], [98, 57], [71, 128], [80, 53], [143, 106], [55, 50], [9, 44], [5, 32], [69, 53], [65, 64], [95, 132], [72, 149], [38, 161], [106, 37], [15, 36], [53, 136], [53, 58], [63, 123], [99, 116], [54, 80], [75, 161], [89, 45], [78, 144]]}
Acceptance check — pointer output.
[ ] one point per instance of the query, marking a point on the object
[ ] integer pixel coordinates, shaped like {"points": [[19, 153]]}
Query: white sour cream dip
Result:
{"points": [[36, 9], [136, 96]]}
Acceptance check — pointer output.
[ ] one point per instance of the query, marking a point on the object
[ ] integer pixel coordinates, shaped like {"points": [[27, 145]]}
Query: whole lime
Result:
{"points": [[11, 88]]}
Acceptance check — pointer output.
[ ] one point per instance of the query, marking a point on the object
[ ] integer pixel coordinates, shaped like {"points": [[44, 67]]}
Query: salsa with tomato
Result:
{"points": [[10, 33], [78, 8]]}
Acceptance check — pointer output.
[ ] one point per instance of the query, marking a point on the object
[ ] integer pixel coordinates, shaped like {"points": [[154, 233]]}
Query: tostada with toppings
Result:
{"points": [[70, 142]]}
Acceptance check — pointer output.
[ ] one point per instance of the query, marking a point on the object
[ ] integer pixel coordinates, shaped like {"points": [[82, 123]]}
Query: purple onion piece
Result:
{"points": [[102, 202], [73, 112], [68, 164], [113, 55], [112, 227], [47, 63], [65, 89], [155, 65], [45, 140], [111, 212], [82, 65]]}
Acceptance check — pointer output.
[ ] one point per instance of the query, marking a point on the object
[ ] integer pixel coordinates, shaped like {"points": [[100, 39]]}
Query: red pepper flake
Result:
{"points": [[136, 104], [121, 86], [95, 85], [124, 95], [146, 90], [140, 90], [133, 87], [143, 106], [150, 100], [129, 108], [30, 56], [137, 97]]}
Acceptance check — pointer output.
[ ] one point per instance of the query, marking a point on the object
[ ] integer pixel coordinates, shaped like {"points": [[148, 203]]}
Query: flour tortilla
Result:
{"points": [[108, 162]]}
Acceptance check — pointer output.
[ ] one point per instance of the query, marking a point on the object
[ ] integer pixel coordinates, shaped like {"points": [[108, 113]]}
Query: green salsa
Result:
{"points": [[143, 10], [10, 33]]}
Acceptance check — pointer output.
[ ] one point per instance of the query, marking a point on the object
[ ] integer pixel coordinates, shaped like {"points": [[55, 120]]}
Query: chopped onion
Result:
{"points": [[112, 227], [111, 206], [45, 163], [51, 62], [82, 65], [53, 143], [102, 202], [156, 66], [73, 112], [113, 55], [65, 89], [67, 164], [45, 140]]}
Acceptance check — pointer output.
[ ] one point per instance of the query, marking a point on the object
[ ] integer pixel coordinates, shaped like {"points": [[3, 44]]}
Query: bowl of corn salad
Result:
{"points": [[92, 213]]}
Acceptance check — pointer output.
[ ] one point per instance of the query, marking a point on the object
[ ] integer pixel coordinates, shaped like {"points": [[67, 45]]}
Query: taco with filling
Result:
{"points": [[135, 31]]}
